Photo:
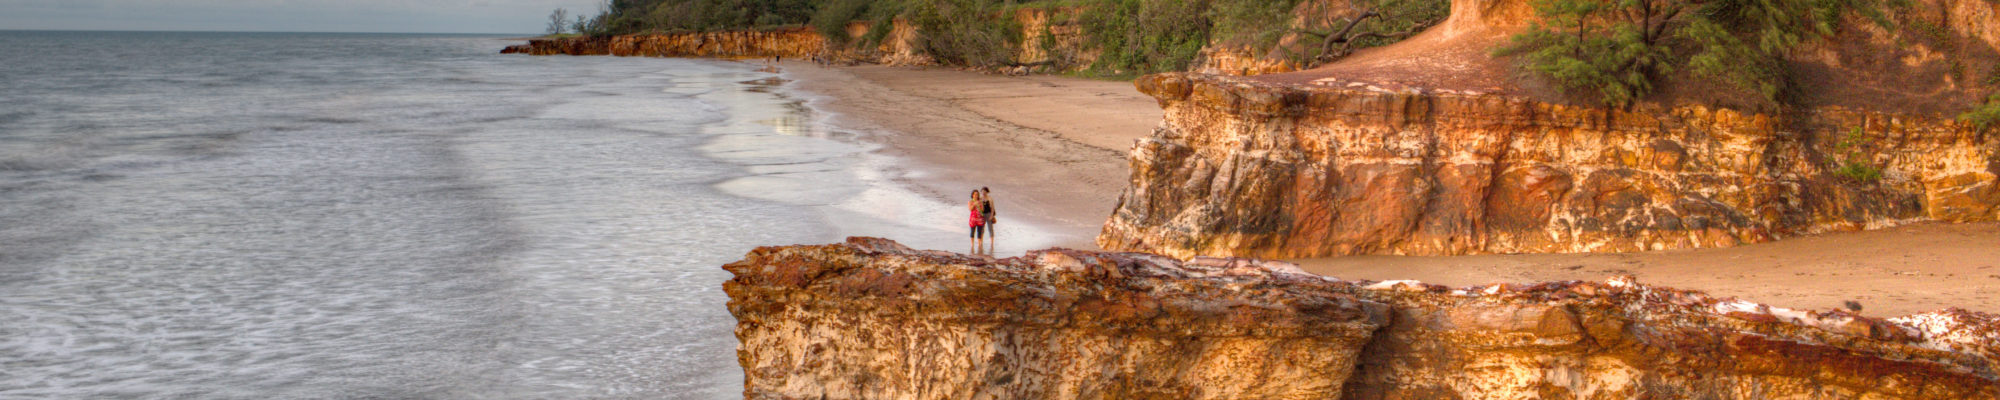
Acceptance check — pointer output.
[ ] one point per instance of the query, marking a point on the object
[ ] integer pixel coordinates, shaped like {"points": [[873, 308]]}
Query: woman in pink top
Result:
{"points": [[978, 224]]}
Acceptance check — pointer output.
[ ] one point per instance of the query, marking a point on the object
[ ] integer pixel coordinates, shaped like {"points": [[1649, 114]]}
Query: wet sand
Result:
{"points": [[1053, 150]]}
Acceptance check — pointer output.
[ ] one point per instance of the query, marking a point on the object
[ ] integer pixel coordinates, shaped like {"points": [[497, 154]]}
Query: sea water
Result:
{"points": [[231, 215]]}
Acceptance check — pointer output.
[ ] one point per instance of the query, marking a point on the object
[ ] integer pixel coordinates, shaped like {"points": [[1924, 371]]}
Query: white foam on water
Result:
{"points": [[376, 217], [800, 155]]}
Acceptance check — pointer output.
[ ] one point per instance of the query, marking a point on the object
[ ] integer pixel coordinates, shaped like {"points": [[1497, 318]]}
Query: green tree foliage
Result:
{"points": [[1133, 36], [1577, 47], [1984, 116], [965, 32], [1324, 31], [633, 16], [1616, 49], [831, 18], [1258, 23], [877, 31], [1144, 36]]}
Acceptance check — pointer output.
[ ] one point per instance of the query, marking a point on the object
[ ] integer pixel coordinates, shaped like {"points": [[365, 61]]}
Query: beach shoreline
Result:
{"points": [[1055, 148], [1051, 149]]}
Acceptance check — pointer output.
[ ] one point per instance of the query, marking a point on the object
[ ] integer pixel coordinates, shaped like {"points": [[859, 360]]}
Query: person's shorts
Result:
{"points": [[977, 230], [987, 219]]}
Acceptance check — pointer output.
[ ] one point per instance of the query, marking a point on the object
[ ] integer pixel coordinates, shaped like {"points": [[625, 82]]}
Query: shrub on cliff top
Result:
{"points": [[1145, 36], [1325, 31], [965, 32], [1617, 48], [632, 16], [831, 19]]}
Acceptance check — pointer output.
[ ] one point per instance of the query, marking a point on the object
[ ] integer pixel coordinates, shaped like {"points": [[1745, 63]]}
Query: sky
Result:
{"points": [[410, 16]]}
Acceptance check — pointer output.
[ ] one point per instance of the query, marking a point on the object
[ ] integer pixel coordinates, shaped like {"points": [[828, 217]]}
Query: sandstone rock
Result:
{"points": [[870, 319], [1241, 167], [900, 46], [864, 320], [798, 43]]}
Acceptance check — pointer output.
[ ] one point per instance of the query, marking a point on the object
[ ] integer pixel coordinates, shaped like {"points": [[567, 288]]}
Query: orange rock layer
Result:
{"points": [[871, 319], [899, 46], [1248, 168], [797, 43]]}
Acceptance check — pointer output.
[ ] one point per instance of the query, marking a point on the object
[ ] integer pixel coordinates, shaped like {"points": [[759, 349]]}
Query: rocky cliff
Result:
{"points": [[796, 43], [1056, 42], [1251, 168], [871, 319]]}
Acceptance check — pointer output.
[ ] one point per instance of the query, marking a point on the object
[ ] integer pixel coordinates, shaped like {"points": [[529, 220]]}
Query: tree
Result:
{"points": [[1146, 36], [1617, 48], [1612, 48], [1380, 22], [965, 32], [557, 20]]}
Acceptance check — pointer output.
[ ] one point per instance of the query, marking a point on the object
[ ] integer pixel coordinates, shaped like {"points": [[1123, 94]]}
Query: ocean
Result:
{"points": [[267, 215]]}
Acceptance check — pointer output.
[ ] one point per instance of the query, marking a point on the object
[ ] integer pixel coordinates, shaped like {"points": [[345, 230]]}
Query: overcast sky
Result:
{"points": [[426, 16]]}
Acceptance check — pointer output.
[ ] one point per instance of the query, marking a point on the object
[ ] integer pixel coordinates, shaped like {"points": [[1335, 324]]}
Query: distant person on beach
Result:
{"points": [[986, 215], [978, 224]]}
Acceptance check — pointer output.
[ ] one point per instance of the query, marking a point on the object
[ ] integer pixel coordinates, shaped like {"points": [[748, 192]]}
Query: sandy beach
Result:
{"points": [[1053, 150]]}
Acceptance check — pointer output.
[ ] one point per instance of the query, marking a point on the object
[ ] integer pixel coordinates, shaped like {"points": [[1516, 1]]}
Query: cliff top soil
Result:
{"points": [[1911, 69]]}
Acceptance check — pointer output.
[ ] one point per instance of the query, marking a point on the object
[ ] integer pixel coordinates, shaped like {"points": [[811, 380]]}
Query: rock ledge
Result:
{"points": [[870, 319]]}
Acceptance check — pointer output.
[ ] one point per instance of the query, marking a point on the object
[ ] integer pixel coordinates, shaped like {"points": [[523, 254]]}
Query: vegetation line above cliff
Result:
{"points": [[1911, 56], [1121, 37]]}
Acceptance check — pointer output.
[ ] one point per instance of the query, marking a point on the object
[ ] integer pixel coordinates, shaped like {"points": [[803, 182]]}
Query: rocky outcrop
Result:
{"points": [[1238, 60], [796, 43], [870, 319], [1048, 41], [1249, 168], [1051, 41]]}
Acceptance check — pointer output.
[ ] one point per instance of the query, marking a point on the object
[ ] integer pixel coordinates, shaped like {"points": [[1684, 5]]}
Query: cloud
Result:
{"points": [[460, 16]]}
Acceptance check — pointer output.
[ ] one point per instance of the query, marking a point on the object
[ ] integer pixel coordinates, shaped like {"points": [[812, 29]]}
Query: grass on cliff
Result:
{"points": [[1857, 161], [1985, 116]]}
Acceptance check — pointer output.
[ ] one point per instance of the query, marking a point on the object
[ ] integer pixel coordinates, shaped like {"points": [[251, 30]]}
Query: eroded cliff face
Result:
{"points": [[796, 43], [1238, 60], [1047, 40], [1246, 168], [870, 319]]}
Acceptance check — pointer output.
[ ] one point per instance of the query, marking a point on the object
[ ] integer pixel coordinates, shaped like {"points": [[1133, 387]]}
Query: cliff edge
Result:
{"points": [[1243, 167], [796, 43], [1434, 146], [871, 319]]}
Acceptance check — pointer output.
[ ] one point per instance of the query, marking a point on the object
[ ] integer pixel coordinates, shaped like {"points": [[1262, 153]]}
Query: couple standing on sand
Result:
{"points": [[981, 221]]}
